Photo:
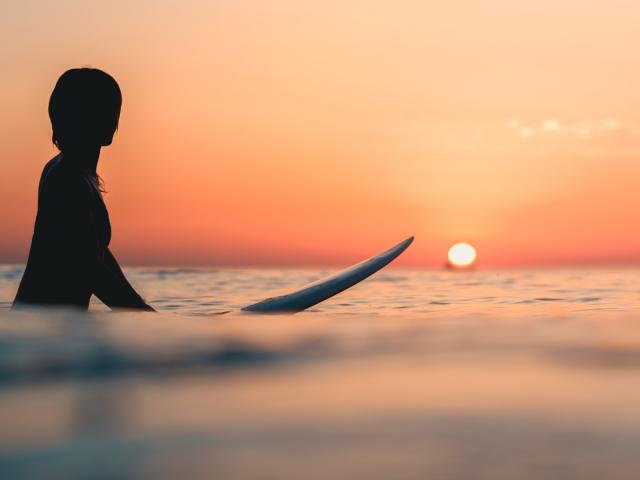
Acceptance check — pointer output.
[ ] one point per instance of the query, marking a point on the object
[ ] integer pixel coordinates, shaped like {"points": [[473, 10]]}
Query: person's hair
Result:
{"points": [[84, 108]]}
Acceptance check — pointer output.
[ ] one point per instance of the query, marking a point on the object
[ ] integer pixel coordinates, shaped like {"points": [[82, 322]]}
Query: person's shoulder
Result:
{"points": [[51, 164], [57, 178]]}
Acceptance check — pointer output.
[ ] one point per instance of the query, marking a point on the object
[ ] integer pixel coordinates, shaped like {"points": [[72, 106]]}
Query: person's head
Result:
{"points": [[84, 109]]}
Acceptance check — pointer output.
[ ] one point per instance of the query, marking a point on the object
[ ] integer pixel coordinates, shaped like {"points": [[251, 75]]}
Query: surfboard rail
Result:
{"points": [[323, 289]]}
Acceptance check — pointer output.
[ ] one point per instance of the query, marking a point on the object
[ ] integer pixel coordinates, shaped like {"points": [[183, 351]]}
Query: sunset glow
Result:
{"points": [[304, 133]]}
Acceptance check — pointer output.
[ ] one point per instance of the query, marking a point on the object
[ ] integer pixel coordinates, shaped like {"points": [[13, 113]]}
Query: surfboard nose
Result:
{"points": [[408, 241]]}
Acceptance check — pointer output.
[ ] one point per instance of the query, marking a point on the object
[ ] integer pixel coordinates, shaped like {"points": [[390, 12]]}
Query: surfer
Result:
{"points": [[69, 259]]}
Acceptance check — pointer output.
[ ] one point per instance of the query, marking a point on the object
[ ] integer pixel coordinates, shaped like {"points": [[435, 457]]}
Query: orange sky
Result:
{"points": [[290, 132]]}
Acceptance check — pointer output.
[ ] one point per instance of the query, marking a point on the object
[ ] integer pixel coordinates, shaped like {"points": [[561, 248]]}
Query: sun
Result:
{"points": [[462, 255]]}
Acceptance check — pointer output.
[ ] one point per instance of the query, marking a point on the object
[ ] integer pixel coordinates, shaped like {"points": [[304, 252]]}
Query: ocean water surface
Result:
{"points": [[411, 374]]}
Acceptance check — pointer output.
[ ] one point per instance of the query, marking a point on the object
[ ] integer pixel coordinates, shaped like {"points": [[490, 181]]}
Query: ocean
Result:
{"points": [[485, 374]]}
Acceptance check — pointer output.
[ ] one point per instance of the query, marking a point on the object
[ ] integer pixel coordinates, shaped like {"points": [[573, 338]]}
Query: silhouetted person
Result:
{"points": [[69, 258]]}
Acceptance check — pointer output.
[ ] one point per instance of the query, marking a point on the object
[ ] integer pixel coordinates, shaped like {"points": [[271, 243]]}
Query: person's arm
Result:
{"points": [[83, 266], [112, 288]]}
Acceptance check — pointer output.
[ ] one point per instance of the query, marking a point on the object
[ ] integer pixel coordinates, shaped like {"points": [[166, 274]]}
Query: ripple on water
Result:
{"points": [[194, 291]]}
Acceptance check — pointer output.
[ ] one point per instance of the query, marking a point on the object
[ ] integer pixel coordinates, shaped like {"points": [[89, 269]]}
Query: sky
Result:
{"points": [[288, 132]]}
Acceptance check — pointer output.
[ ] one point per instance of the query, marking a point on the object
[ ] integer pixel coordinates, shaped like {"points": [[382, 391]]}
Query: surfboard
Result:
{"points": [[319, 291]]}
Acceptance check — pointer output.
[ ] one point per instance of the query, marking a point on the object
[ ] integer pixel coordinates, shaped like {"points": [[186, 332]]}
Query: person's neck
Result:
{"points": [[83, 157]]}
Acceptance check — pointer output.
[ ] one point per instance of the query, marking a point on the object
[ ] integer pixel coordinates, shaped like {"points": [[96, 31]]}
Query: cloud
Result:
{"points": [[580, 130], [551, 125]]}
